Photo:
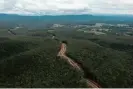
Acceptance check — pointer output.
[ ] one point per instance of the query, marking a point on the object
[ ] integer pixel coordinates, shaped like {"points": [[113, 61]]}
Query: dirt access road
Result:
{"points": [[62, 54]]}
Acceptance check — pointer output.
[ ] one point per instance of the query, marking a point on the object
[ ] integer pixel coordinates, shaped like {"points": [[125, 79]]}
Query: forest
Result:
{"points": [[30, 60]]}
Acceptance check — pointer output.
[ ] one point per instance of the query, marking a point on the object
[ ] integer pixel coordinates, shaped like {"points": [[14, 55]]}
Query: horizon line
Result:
{"points": [[66, 14]]}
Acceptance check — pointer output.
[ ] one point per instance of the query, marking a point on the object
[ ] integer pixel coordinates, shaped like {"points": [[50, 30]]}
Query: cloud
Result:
{"points": [[57, 7]]}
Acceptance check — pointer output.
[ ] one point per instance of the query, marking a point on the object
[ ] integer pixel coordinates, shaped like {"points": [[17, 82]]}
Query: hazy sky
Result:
{"points": [[55, 7]]}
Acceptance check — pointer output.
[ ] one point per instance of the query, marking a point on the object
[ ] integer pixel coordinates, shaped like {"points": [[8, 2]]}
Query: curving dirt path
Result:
{"points": [[62, 54]]}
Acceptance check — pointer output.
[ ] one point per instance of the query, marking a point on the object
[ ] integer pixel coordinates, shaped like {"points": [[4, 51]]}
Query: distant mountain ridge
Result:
{"points": [[9, 17], [39, 21]]}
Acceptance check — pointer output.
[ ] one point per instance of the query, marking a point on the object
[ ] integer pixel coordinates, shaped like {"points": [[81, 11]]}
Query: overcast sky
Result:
{"points": [[58, 7]]}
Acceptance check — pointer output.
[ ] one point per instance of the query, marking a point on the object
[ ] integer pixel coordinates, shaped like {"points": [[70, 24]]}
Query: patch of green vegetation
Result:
{"points": [[4, 32], [39, 68], [30, 60], [12, 47], [118, 43], [110, 68]]}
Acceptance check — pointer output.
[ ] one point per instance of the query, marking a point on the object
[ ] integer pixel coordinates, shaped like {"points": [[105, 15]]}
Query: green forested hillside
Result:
{"points": [[109, 67], [38, 67], [30, 60], [12, 47]]}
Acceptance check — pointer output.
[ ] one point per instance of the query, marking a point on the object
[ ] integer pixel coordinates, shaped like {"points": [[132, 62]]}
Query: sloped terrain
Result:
{"points": [[38, 67], [108, 67], [31, 61]]}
